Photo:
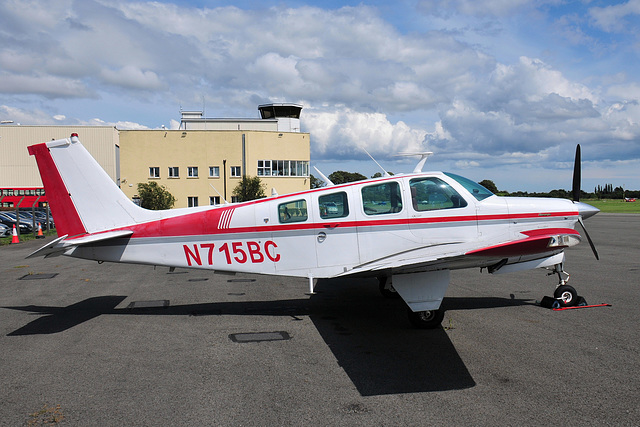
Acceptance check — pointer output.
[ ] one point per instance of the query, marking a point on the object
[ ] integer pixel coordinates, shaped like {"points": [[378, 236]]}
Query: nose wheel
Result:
{"points": [[564, 294]]}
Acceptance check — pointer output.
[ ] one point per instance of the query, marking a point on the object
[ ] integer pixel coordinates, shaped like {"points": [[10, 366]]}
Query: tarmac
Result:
{"points": [[85, 344]]}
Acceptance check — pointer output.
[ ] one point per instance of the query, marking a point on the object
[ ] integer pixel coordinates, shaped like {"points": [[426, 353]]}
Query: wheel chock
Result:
{"points": [[554, 304], [582, 306]]}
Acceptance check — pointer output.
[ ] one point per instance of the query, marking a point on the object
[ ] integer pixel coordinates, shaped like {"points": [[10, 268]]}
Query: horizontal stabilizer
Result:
{"points": [[60, 245]]}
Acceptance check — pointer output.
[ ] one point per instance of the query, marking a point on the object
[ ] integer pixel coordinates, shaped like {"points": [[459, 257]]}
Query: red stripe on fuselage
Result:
{"points": [[217, 221], [67, 219]]}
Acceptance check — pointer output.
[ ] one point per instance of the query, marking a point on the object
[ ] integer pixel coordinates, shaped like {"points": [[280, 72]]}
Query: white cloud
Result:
{"points": [[363, 81], [132, 77], [610, 18], [343, 132]]}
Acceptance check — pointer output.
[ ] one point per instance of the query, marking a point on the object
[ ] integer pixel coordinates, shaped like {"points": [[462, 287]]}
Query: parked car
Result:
{"points": [[9, 220], [5, 231]]}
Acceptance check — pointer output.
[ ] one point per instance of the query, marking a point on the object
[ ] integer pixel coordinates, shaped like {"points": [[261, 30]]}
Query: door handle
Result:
{"points": [[322, 236]]}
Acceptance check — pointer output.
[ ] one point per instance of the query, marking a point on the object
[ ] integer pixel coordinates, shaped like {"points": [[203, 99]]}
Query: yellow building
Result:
{"points": [[200, 164], [202, 167]]}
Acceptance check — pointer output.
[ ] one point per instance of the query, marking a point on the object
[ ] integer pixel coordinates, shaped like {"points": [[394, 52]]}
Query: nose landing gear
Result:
{"points": [[565, 295]]}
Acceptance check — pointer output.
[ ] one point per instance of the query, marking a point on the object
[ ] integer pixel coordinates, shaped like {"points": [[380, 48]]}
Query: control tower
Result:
{"points": [[287, 115]]}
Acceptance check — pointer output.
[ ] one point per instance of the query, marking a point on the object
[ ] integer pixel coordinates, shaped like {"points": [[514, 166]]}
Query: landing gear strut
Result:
{"points": [[566, 295], [386, 288]]}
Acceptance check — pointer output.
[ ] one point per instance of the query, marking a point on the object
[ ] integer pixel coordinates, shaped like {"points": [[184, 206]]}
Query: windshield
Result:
{"points": [[477, 190]]}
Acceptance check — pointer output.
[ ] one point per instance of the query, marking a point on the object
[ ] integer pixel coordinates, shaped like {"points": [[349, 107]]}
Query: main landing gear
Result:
{"points": [[429, 319], [566, 295]]}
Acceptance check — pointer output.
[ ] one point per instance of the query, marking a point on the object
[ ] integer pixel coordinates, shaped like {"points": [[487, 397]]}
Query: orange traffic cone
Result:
{"points": [[39, 235], [15, 239]]}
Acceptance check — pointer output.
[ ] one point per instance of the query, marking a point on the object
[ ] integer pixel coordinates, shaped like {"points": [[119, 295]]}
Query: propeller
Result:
{"points": [[583, 208], [577, 175]]}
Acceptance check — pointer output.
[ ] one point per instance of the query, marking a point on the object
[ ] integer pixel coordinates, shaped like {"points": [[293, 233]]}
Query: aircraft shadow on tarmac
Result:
{"points": [[370, 336]]}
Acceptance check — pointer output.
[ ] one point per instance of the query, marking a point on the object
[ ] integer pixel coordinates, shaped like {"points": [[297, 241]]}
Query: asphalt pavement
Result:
{"points": [[86, 344]]}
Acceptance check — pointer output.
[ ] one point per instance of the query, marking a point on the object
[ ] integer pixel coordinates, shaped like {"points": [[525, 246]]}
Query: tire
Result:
{"points": [[429, 319], [566, 296]]}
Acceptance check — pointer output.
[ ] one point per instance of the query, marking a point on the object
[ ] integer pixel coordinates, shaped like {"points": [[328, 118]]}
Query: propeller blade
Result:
{"points": [[586, 233], [577, 178]]}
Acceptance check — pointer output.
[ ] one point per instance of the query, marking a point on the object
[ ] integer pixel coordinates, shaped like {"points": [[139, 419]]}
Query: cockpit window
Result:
{"points": [[428, 194], [477, 190]]}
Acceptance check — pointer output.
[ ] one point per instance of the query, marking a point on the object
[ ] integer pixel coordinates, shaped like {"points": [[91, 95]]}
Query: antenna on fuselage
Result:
{"points": [[383, 170], [221, 198], [324, 178], [424, 155]]}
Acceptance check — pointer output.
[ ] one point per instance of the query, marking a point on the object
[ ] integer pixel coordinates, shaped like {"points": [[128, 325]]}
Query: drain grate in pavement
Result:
{"points": [[240, 280], [201, 279], [161, 303], [38, 276], [259, 336]]}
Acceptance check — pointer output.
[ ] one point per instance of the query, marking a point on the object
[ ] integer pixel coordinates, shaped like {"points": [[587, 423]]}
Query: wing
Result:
{"points": [[535, 244]]}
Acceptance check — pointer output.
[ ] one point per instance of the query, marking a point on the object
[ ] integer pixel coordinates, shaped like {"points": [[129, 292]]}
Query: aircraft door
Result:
{"points": [[439, 214], [336, 238]]}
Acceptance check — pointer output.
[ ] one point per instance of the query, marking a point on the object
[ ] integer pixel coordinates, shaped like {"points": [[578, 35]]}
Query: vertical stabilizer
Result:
{"points": [[83, 198]]}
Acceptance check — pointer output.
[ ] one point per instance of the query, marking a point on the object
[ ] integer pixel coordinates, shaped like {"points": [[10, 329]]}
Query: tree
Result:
{"points": [[340, 177], [250, 188], [489, 185], [315, 182], [154, 196]]}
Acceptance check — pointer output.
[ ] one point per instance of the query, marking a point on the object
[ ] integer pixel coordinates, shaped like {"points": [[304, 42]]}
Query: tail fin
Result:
{"points": [[83, 198]]}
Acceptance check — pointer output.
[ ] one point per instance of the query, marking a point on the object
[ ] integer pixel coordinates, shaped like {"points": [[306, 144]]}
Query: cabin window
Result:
{"points": [[384, 198], [428, 194], [333, 205], [294, 211]]}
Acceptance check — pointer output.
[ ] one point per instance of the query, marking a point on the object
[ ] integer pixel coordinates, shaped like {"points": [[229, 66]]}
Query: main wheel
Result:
{"points": [[387, 291], [566, 295], [429, 319]]}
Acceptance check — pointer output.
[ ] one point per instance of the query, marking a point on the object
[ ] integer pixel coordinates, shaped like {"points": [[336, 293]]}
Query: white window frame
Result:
{"points": [[214, 200], [154, 172], [236, 171], [192, 171], [192, 201], [174, 172], [214, 171]]}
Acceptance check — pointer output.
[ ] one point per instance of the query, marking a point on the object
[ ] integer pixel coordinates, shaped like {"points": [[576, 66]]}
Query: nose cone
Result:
{"points": [[585, 210]]}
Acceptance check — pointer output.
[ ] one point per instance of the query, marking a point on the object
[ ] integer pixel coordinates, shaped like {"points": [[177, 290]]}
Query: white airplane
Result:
{"points": [[408, 230]]}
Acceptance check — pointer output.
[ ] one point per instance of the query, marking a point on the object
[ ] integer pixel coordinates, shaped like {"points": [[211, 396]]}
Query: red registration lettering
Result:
{"points": [[254, 252]]}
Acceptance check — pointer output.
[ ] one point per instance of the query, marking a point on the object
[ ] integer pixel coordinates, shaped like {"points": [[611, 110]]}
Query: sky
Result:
{"points": [[496, 89]]}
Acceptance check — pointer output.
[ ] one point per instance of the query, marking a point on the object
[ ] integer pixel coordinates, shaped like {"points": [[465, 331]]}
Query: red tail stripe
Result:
{"points": [[67, 219]]}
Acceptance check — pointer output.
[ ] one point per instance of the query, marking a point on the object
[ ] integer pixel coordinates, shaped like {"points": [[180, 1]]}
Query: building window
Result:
{"points": [[214, 171], [236, 171], [173, 172], [154, 172], [192, 201], [214, 200], [234, 199], [192, 171], [283, 168]]}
